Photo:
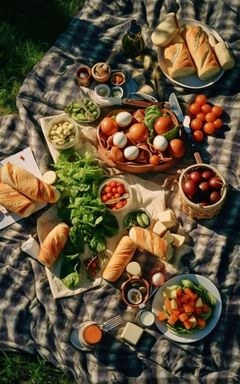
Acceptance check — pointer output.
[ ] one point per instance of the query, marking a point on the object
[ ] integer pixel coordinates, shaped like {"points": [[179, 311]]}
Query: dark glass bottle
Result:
{"points": [[132, 42]]}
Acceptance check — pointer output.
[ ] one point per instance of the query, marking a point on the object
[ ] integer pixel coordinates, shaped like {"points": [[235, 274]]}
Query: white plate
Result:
{"points": [[192, 81], [157, 305]]}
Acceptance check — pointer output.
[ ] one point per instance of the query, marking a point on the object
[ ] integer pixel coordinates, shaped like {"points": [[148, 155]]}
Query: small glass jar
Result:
{"points": [[90, 334]]}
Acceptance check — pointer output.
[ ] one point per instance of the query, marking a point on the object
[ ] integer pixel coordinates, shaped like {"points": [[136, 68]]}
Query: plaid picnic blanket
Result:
{"points": [[31, 320]]}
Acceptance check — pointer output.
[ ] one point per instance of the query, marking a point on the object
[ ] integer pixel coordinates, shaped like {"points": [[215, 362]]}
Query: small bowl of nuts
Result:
{"points": [[62, 132]]}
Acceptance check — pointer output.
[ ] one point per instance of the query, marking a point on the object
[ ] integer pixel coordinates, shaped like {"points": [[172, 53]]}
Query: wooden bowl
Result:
{"points": [[134, 167]]}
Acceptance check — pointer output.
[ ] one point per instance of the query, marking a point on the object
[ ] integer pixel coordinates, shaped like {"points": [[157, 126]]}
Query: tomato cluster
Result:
{"points": [[205, 118], [113, 190], [202, 186]]}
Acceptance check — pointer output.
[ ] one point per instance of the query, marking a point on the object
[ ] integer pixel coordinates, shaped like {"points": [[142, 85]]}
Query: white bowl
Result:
{"points": [[102, 90], [127, 189], [60, 125]]}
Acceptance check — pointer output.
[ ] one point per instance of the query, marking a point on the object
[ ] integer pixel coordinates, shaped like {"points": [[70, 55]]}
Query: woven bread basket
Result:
{"points": [[131, 167], [196, 211]]}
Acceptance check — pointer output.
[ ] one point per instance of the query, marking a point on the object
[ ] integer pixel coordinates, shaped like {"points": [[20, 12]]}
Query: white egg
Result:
{"points": [[123, 119], [131, 153], [120, 140], [158, 279], [160, 143]]}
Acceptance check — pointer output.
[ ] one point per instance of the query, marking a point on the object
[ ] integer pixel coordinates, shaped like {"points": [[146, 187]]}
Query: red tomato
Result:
{"points": [[112, 184], [176, 148], [109, 126], [198, 135], [189, 187], [201, 116], [210, 117], [154, 160], [201, 99], [138, 132], [163, 124], [121, 190], [194, 108], [206, 108], [104, 198], [195, 176], [218, 123], [196, 124], [209, 128], [217, 110]]}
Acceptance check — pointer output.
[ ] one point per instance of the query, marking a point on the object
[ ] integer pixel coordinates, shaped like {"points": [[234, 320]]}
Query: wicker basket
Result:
{"points": [[130, 167], [197, 211]]}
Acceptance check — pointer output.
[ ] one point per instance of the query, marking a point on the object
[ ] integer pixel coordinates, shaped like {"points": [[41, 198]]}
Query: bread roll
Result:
{"points": [[15, 202], [201, 52], [53, 244], [224, 56], [119, 260], [148, 240], [165, 31], [28, 184], [177, 59]]}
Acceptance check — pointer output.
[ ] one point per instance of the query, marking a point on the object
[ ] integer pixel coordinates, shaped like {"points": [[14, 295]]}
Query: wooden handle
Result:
{"points": [[198, 157]]}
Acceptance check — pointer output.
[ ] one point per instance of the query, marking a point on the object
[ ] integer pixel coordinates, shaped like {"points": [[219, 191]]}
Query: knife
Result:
{"points": [[142, 103], [185, 120]]}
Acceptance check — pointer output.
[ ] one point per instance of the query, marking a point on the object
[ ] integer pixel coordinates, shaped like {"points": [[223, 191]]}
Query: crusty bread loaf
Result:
{"points": [[28, 184], [201, 52], [148, 240], [53, 244], [119, 259], [224, 56], [165, 31], [177, 58], [15, 202]]}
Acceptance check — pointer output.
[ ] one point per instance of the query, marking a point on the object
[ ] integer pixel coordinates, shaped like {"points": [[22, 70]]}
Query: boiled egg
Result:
{"points": [[120, 140], [160, 143], [131, 152], [123, 118]]}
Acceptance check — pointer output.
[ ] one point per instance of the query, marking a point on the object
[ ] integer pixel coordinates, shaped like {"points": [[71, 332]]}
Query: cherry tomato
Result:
{"points": [[209, 128], [206, 108], [195, 176], [217, 110], [201, 116], [119, 205], [218, 123], [120, 190], [104, 198], [116, 195], [109, 126], [107, 189], [201, 99], [114, 190], [194, 108], [163, 124], [112, 184], [154, 160], [215, 182], [189, 187], [196, 124], [215, 197], [206, 175], [198, 135], [210, 117], [109, 195], [204, 186]]}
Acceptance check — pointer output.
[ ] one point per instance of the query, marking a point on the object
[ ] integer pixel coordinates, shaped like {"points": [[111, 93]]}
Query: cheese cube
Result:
{"points": [[167, 218], [168, 237], [169, 252], [178, 240], [132, 333], [159, 228]]}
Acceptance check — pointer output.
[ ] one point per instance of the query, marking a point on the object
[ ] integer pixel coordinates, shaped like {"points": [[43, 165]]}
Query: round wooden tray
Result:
{"points": [[166, 163]]}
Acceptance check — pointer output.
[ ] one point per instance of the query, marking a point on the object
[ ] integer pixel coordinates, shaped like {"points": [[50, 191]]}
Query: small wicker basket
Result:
{"points": [[198, 211]]}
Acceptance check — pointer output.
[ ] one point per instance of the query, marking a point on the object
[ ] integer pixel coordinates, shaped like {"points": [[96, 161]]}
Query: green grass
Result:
{"points": [[28, 28], [25, 369]]}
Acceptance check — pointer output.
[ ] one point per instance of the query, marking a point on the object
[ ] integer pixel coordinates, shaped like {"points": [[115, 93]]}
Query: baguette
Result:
{"points": [[53, 244], [177, 58], [15, 202], [119, 260], [165, 31], [28, 184], [148, 240], [201, 52]]}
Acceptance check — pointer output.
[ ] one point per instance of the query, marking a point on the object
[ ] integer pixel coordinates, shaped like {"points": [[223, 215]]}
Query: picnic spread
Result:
{"points": [[119, 223]]}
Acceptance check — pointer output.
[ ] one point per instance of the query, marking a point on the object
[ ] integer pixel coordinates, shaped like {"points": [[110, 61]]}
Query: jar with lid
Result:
{"points": [[132, 41]]}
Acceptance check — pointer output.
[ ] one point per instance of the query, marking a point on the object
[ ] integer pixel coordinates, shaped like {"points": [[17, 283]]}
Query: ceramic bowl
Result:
{"points": [[112, 189], [101, 72], [62, 132]]}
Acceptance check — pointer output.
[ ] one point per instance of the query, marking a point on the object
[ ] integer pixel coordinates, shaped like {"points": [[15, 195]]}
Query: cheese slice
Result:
{"points": [[132, 333], [159, 228], [167, 218], [168, 237], [178, 240]]}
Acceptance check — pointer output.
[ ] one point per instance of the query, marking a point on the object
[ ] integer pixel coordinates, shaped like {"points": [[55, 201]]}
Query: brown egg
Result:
{"points": [[176, 148], [116, 154], [138, 132]]}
